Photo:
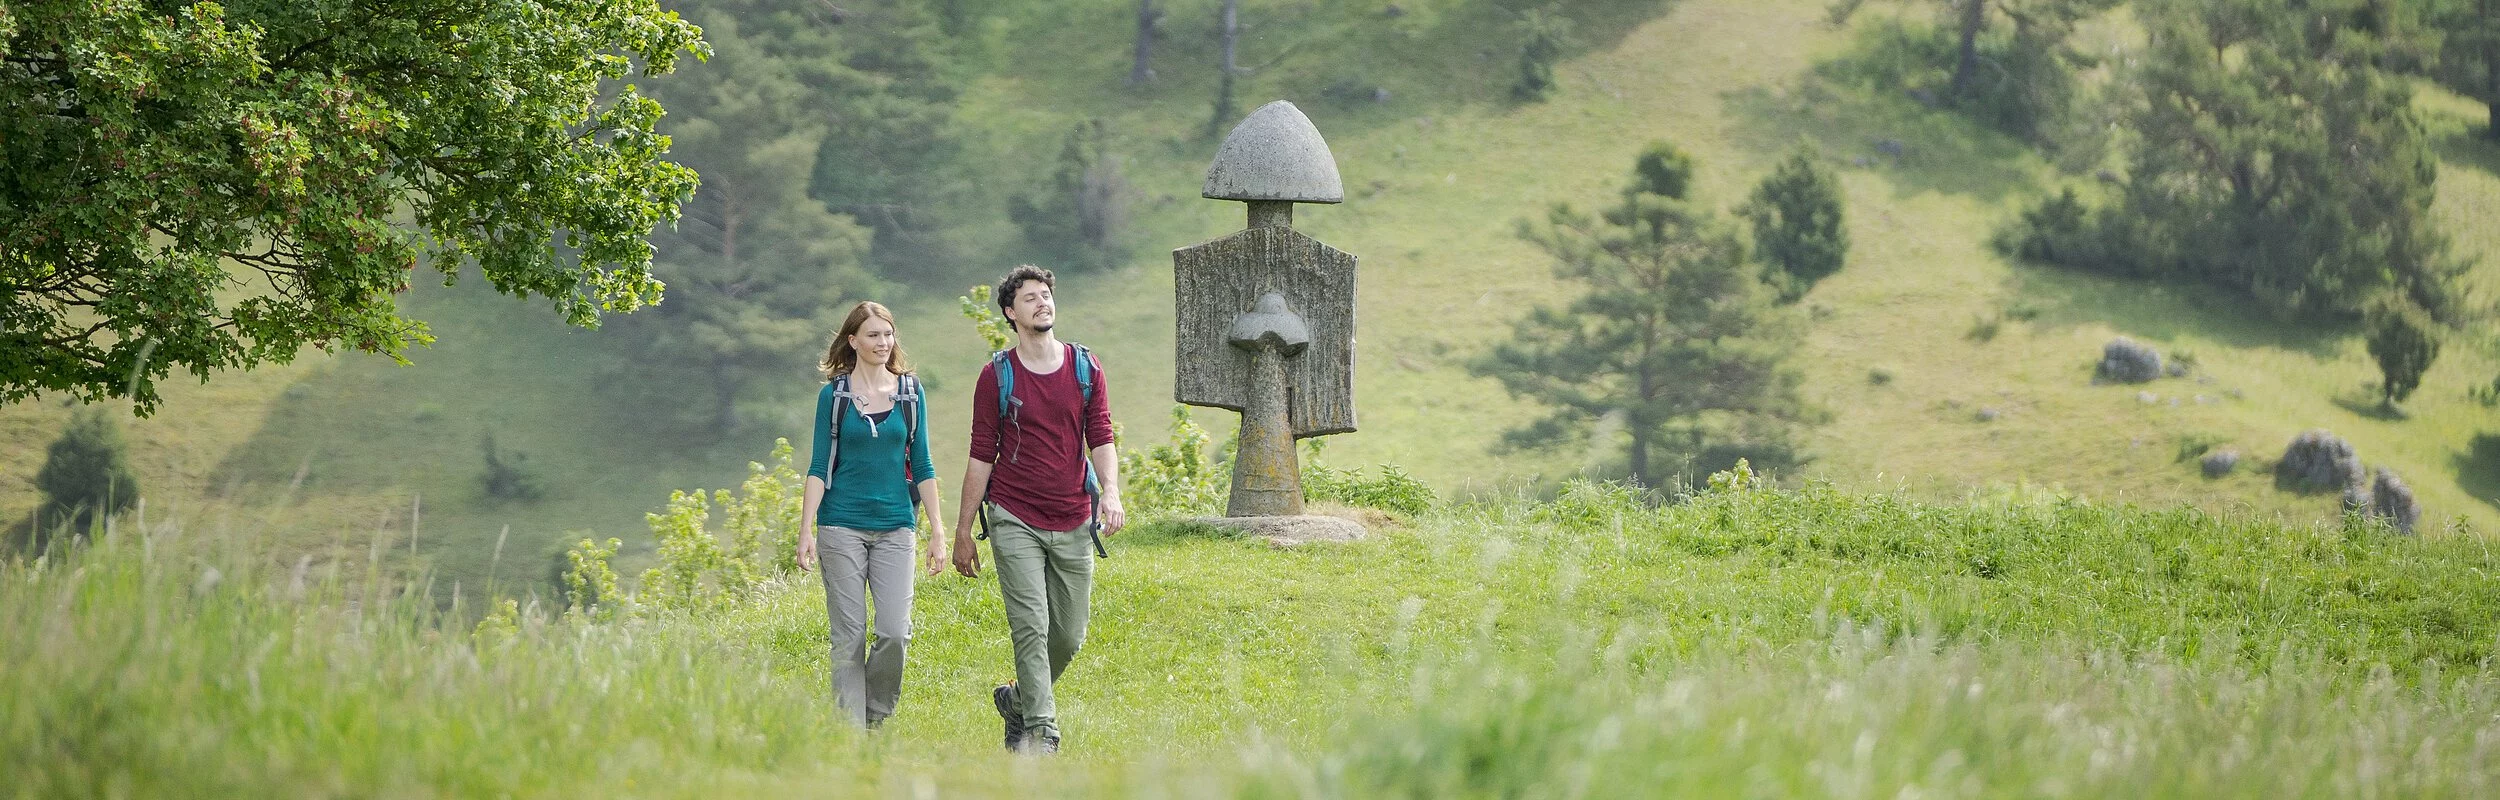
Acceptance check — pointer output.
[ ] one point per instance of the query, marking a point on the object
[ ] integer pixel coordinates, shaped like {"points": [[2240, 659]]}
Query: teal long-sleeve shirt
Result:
{"points": [[868, 490]]}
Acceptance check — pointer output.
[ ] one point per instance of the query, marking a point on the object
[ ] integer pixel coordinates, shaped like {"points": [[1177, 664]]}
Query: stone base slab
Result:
{"points": [[1290, 531]]}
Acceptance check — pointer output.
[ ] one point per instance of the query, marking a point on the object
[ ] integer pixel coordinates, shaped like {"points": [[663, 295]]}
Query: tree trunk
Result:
{"points": [[730, 218], [1139, 72], [1639, 456], [724, 393], [1974, 15], [2491, 80], [1645, 390], [1229, 34]]}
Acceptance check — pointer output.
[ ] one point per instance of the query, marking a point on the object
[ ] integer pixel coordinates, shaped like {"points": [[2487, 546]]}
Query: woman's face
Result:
{"points": [[874, 342]]}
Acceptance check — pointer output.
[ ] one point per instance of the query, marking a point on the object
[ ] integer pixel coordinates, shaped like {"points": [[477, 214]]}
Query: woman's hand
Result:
{"points": [[807, 551], [935, 561]]}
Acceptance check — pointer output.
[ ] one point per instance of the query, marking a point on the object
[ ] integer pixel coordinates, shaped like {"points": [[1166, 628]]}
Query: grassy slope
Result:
{"points": [[1724, 80], [1435, 179], [1755, 643]]}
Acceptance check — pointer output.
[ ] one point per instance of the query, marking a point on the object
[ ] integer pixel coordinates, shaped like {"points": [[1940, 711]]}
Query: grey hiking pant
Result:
{"points": [[857, 565], [1047, 580]]}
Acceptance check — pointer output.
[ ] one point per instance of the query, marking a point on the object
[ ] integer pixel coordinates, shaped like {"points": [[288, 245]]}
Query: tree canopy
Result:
{"points": [[757, 270], [212, 186], [2273, 156]]}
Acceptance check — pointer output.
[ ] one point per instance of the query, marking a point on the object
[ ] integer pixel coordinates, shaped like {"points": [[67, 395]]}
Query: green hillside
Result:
{"points": [[1436, 173], [1748, 643]]}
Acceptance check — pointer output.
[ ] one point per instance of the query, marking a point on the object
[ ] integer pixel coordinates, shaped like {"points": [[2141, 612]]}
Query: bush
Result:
{"points": [[696, 572], [992, 327], [1662, 169], [1178, 478], [84, 472], [1392, 490], [2125, 360], [1984, 327], [2392, 501], [2061, 230], [2487, 394], [1546, 31], [508, 476], [589, 582], [2319, 461], [2198, 445]]}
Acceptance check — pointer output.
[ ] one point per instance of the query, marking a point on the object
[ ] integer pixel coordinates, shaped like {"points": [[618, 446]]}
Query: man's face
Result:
{"points": [[1032, 309]]}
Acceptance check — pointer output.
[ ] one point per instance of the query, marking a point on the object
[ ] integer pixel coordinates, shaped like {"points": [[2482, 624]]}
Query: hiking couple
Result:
{"points": [[1042, 483]]}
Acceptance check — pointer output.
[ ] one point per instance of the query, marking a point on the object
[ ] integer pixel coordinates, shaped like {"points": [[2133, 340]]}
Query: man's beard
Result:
{"points": [[1043, 327]]}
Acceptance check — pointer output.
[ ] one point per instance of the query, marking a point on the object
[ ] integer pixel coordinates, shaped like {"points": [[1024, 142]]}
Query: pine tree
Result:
{"points": [[85, 472], [1797, 228], [1076, 218], [756, 270], [2277, 159], [2469, 58], [2019, 79], [1674, 334], [889, 148]]}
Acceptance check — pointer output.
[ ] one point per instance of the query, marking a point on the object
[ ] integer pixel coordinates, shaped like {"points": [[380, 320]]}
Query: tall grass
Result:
{"points": [[1861, 715], [1743, 642]]}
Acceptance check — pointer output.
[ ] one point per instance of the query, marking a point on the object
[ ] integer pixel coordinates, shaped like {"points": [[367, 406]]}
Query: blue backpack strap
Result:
{"points": [[1083, 362], [1004, 374], [1093, 483], [1084, 371], [1005, 371]]}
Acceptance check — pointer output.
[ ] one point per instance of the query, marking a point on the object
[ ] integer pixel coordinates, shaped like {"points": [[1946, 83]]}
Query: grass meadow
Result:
{"points": [[1744, 643]]}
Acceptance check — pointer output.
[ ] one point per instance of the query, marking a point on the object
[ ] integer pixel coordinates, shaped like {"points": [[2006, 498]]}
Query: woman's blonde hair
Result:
{"points": [[840, 358]]}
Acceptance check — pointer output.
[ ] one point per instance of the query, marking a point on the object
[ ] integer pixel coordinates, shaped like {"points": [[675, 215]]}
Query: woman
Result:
{"points": [[869, 476]]}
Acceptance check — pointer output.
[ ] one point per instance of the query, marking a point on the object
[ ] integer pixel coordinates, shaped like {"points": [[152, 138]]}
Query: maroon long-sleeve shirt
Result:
{"points": [[1037, 465]]}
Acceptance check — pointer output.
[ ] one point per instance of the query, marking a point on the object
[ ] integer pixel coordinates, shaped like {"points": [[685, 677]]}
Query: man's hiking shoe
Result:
{"points": [[1005, 698], [1040, 745]]}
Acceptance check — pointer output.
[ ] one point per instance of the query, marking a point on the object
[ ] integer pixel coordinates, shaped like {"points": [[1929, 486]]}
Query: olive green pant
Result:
{"points": [[1047, 579]]}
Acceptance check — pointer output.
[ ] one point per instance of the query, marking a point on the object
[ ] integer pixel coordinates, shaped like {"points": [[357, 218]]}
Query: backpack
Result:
{"points": [[1082, 360], [907, 399]]}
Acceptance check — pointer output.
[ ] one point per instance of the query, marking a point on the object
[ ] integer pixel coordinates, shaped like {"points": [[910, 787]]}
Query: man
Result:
{"points": [[1028, 480]]}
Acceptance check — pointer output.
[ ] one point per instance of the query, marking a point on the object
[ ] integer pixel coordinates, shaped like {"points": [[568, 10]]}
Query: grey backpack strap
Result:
{"points": [[833, 433]]}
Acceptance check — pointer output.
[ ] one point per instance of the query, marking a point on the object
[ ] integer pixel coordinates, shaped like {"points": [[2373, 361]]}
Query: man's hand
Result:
{"points": [[807, 550], [967, 556], [1114, 516]]}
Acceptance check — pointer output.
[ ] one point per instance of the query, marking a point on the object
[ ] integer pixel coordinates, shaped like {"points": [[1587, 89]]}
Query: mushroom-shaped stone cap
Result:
{"points": [[1270, 324], [1275, 154]]}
